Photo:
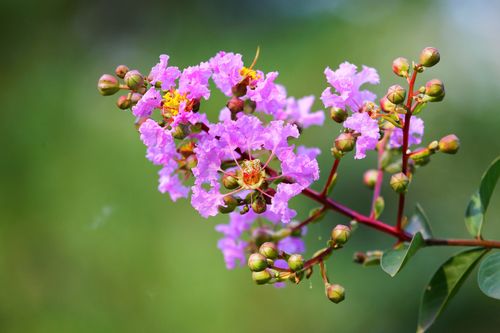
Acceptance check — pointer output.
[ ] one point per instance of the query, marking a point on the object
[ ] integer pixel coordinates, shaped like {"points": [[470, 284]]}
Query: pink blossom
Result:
{"points": [[368, 129]]}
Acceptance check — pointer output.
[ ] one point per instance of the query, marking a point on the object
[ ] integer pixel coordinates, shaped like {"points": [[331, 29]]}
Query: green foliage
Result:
{"points": [[488, 276], [444, 285], [476, 209], [394, 259], [419, 223]]}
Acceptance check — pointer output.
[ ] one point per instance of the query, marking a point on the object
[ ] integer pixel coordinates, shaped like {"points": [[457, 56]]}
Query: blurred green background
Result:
{"points": [[87, 244]]}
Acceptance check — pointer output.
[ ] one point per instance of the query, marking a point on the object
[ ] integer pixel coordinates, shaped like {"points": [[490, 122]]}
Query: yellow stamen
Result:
{"points": [[172, 101]]}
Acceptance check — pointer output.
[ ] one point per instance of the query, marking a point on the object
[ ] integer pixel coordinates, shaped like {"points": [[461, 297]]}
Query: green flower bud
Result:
{"points": [[338, 115], [396, 94], [449, 144], [262, 277], [235, 104], [269, 250], [429, 57], [341, 234], [244, 210], [370, 178], [108, 85], [420, 154], [257, 262], [296, 262], [259, 205], [124, 102], [401, 66], [262, 235], [433, 146], [121, 70], [345, 142], [335, 292], [180, 132], [230, 181], [230, 203], [134, 80], [434, 88], [399, 182], [386, 105]]}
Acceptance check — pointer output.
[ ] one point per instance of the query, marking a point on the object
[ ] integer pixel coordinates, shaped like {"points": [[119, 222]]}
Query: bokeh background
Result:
{"points": [[87, 244]]}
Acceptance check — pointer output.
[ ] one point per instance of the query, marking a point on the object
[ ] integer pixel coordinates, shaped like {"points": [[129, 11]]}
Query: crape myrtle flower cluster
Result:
{"points": [[244, 160]]}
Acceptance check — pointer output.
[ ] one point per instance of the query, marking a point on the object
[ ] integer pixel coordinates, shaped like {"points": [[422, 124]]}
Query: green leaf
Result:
{"points": [[419, 223], [488, 276], [478, 204], [394, 259], [445, 284]]}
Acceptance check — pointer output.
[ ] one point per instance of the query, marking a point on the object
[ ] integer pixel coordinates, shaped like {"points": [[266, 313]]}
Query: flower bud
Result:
{"points": [[121, 70], [429, 57], [124, 102], [401, 66], [296, 262], [338, 115], [180, 131], [136, 97], [259, 205], [230, 204], [336, 153], [449, 144], [269, 250], [230, 181], [420, 154], [134, 80], [257, 262], [399, 182], [345, 142], [396, 94], [239, 90], [434, 88], [235, 104], [341, 234], [433, 146], [370, 178], [386, 105], [262, 235], [108, 85], [335, 292], [262, 277]]}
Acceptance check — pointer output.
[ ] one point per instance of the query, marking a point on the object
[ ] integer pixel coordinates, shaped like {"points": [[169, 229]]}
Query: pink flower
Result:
{"points": [[194, 81], [415, 137], [164, 74], [299, 112], [145, 106], [269, 96], [368, 129], [347, 84], [226, 70]]}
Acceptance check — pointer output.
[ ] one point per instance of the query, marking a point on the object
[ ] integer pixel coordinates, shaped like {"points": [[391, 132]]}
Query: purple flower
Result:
{"points": [[226, 70], [415, 137], [194, 81], [269, 96], [161, 150], [368, 131], [247, 135], [292, 245], [150, 101], [347, 84], [299, 112], [164, 74]]}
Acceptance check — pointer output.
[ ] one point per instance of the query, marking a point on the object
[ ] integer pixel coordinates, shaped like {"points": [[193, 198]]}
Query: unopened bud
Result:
{"points": [[396, 94], [420, 153], [338, 115], [269, 250], [262, 277], [134, 80], [399, 182], [370, 178], [136, 97], [230, 181], [341, 234], [259, 205], [257, 262], [261, 235], [240, 89], [121, 70], [180, 131], [449, 144], [335, 292], [401, 66], [108, 85], [345, 142], [124, 102], [296, 262], [434, 88], [433, 146], [429, 57], [230, 204], [386, 105], [235, 104]]}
